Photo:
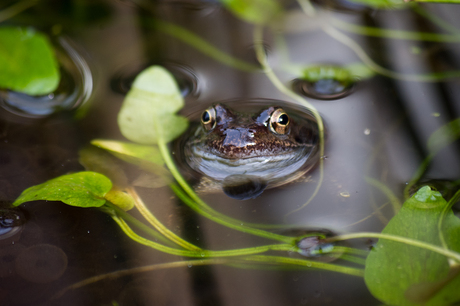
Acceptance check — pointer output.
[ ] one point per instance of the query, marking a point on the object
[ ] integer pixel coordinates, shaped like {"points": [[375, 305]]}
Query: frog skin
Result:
{"points": [[245, 152]]}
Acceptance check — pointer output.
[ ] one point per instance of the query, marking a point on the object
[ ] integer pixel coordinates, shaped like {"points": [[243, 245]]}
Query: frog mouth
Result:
{"points": [[268, 167]]}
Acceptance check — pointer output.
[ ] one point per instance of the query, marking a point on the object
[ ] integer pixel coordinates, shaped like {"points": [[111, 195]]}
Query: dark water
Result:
{"points": [[378, 129]]}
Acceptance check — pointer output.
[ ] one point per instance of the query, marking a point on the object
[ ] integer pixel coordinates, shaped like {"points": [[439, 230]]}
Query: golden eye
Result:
{"points": [[279, 122], [208, 119]]}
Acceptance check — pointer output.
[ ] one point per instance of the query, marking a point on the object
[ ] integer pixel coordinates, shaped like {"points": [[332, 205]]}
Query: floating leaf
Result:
{"points": [[348, 74], [254, 11], [148, 111], [444, 136], [119, 198], [82, 189], [28, 62], [400, 274]]}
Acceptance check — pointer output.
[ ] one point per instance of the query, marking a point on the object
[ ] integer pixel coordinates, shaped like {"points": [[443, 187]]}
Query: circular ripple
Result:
{"points": [[75, 87]]}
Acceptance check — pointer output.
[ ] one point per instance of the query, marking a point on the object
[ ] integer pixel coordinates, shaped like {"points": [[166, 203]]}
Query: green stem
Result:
{"points": [[395, 34], [202, 45], [307, 7], [306, 263], [240, 227], [261, 56], [443, 215], [416, 243], [435, 19], [16, 8], [111, 209], [432, 77], [417, 175], [201, 253], [385, 190], [154, 267], [140, 205]]}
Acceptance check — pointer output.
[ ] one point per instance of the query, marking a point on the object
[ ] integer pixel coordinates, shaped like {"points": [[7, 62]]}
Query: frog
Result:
{"points": [[246, 147]]}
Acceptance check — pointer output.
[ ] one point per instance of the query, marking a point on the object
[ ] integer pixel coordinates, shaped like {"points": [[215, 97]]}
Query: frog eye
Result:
{"points": [[279, 122], [208, 119]]}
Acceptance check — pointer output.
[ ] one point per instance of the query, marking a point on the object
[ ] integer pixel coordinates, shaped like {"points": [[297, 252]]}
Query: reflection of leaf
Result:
{"points": [[145, 157], [98, 160], [254, 11], [82, 189], [28, 62], [148, 111], [395, 272], [444, 136]]}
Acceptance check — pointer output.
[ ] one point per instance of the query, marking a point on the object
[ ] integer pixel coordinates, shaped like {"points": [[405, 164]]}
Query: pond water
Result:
{"points": [[376, 134]]}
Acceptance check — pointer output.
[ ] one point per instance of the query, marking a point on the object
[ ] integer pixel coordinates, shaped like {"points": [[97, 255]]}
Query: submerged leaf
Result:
{"points": [[444, 136], [147, 158], [254, 11], [82, 189], [400, 274], [28, 62], [148, 111]]}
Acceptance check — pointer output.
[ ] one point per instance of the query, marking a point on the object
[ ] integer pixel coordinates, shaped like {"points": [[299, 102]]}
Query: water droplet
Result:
{"points": [[74, 89], [189, 265], [324, 89], [345, 194], [367, 131], [11, 221], [185, 77]]}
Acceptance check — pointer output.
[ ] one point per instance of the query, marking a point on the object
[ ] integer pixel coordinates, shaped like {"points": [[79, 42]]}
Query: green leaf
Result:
{"points": [[82, 189], [28, 61], [254, 11], [444, 136], [400, 274], [148, 111]]}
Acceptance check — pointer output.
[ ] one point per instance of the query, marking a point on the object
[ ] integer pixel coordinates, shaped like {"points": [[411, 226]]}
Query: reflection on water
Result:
{"points": [[379, 131]]}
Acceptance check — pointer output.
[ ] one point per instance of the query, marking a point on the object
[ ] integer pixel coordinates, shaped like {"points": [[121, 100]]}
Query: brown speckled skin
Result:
{"points": [[240, 136]]}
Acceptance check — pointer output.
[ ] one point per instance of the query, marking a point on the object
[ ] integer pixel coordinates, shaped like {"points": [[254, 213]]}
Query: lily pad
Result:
{"points": [[400, 274], [148, 111], [82, 189], [28, 61]]}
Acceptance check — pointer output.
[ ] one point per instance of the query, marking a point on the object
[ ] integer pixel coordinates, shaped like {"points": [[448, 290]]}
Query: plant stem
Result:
{"points": [[240, 227], [154, 267], [385, 190], [16, 8], [201, 253], [140, 205], [395, 34], [435, 19], [261, 56], [432, 77], [417, 243]]}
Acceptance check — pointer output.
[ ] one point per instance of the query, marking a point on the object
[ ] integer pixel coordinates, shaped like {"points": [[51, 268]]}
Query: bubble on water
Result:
{"points": [[311, 243], [42, 263], [367, 131], [323, 89], [11, 223], [185, 77], [345, 194], [75, 87]]}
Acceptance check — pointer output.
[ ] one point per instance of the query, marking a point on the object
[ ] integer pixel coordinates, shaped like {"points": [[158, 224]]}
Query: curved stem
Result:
{"points": [[261, 56], [432, 77], [387, 191], [16, 8], [140, 205], [450, 254]]}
